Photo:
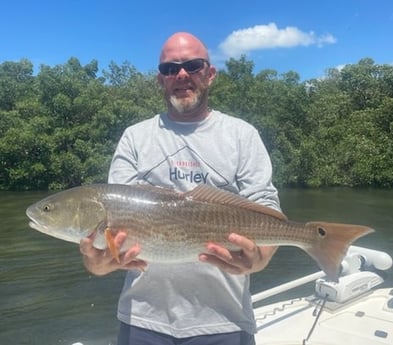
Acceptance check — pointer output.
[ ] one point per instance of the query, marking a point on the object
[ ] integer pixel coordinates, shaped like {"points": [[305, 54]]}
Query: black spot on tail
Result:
{"points": [[321, 232]]}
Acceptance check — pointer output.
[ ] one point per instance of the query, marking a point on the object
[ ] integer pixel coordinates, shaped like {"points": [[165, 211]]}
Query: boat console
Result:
{"points": [[349, 311], [357, 277]]}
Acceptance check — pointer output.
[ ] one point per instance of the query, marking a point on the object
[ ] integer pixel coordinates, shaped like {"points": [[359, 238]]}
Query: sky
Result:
{"points": [[307, 37]]}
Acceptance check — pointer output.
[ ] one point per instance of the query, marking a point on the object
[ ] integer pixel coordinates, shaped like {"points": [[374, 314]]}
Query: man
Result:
{"points": [[207, 301]]}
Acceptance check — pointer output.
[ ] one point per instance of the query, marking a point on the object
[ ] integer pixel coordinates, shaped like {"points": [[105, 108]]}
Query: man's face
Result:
{"points": [[187, 89], [185, 77]]}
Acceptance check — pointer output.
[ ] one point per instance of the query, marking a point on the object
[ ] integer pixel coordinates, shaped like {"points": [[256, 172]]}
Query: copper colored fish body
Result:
{"points": [[174, 227]]}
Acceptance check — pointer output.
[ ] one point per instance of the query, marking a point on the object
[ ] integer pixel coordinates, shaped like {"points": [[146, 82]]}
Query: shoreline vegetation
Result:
{"points": [[59, 127]]}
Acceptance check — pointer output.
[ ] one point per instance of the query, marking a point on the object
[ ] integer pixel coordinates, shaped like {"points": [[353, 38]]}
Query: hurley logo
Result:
{"points": [[191, 176], [184, 167]]}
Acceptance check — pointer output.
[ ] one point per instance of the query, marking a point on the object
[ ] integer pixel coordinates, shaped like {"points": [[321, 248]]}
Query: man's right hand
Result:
{"points": [[101, 262]]}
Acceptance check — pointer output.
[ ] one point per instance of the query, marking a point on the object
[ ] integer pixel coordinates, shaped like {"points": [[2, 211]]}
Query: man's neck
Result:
{"points": [[194, 116]]}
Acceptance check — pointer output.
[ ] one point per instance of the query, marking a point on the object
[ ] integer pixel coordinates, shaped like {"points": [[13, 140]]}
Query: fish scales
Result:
{"points": [[189, 221], [173, 227]]}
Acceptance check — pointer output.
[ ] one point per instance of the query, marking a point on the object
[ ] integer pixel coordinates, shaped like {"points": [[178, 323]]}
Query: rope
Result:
{"points": [[316, 320]]}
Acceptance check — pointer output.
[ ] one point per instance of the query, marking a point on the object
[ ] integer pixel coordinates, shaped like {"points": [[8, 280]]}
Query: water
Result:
{"points": [[48, 298]]}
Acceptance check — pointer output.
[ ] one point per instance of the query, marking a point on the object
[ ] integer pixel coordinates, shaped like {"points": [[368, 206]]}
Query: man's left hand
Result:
{"points": [[248, 259]]}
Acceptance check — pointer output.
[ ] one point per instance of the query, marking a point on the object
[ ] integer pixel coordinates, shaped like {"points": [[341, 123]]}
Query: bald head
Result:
{"points": [[185, 77], [183, 46]]}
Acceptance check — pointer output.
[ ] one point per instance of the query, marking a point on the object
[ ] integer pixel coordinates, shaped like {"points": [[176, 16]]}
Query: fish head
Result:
{"points": [[69, 215]]}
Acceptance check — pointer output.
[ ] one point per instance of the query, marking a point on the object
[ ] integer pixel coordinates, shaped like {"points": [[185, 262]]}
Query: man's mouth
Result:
{"points": [[179, 92]]}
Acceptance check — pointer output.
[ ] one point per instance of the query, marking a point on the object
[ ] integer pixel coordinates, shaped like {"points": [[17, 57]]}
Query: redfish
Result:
{"points": [[174, 227]]}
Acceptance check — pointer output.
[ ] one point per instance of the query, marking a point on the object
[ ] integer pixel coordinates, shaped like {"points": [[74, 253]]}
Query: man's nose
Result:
{"points": [[182, 74]]}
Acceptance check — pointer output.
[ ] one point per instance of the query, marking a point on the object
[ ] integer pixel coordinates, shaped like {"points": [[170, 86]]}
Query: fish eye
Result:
{"points": [[321, 232], [47, 208]]}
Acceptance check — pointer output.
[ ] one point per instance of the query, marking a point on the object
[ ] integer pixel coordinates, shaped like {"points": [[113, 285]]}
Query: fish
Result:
{"points": [[174, 227]]}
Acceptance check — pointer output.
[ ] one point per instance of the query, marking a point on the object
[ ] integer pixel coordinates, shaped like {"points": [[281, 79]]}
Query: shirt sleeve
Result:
{"points": [[254, 176], [123, 167]]}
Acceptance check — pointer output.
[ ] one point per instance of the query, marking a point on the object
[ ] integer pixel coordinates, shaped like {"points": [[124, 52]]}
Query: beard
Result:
{"points": [[186, 105]]}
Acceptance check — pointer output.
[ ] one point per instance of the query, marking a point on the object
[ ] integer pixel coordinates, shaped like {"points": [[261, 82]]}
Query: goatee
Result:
{"points": [[184, 105]]}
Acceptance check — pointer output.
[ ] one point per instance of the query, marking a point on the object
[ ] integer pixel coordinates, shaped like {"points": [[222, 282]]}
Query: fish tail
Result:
{"points": [[110, 241], [332, 244]]}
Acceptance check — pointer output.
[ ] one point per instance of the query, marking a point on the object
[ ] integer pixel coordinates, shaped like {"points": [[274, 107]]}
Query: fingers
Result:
{"points": [[247, 259], [101, 262], [129, 260], [233, 266], [248, 246]]}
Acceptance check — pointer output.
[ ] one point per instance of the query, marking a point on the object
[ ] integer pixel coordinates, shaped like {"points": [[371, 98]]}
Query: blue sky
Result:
{"points": [[307, 36]]}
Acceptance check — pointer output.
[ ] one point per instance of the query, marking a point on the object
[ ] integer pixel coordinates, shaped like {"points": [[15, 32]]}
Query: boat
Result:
{"points": [[355, 310]]}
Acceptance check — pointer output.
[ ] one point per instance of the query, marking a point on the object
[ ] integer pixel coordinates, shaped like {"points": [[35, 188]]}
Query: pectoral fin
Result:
{"points": [[110, 241]]}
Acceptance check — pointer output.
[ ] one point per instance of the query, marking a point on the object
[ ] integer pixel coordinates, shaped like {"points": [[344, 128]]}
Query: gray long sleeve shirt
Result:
{"points": [[191, 299]]}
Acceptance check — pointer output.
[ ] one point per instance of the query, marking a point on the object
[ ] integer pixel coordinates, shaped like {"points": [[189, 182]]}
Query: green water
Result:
{"points": [[48, 298]]}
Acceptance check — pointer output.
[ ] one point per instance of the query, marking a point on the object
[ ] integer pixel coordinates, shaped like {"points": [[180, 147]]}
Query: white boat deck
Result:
{"points": [[367, 320], [357, 314]]}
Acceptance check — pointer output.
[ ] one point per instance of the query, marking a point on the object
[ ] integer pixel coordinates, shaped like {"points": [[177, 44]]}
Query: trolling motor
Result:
{"points": [[357, 275]]}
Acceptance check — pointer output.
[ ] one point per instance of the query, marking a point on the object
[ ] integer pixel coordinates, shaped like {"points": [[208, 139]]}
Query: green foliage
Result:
{"points": [[59, 129]]}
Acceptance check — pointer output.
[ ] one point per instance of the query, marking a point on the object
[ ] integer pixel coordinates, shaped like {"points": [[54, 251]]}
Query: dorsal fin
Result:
{"points": [[205, 193]]}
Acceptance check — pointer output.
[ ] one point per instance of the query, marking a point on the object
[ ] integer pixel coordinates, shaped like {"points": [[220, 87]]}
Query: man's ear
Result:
{"points": [[160, 79], [212, 74]]}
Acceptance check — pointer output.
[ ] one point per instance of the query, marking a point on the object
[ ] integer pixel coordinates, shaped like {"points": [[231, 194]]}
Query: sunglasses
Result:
{"points": [[190, 66]]}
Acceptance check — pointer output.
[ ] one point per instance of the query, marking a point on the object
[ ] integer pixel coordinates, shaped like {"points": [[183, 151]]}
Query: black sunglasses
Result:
{"points": [[190, 66]]}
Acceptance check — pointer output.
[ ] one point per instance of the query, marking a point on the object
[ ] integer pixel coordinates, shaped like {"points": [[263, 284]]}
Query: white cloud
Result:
{"points": [[270, 36], [340, 67]]}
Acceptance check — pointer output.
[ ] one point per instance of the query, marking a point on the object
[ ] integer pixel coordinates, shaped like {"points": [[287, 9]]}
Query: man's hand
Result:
{"points": [[248, 259], [101, 262]]}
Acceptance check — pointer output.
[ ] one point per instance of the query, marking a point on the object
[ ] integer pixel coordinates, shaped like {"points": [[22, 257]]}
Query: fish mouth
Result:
{"points": [[66, 234], [33, 223], [36, 226]]}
